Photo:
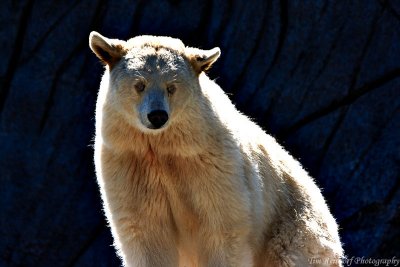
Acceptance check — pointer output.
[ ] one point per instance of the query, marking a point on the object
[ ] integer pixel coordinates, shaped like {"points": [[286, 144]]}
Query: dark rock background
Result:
{"points": [[323, 77]]}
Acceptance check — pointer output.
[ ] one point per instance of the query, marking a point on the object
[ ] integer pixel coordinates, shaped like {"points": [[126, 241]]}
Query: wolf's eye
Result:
{"points": [[140, 87], [171, 89]]}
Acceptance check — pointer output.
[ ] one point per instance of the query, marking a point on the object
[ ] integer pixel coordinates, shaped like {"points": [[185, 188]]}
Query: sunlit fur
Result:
{"points": [[211, 188]]}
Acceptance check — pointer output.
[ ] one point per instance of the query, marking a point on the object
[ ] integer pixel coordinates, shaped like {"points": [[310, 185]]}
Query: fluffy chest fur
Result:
{"points": [[194, 196], [189, 189]]}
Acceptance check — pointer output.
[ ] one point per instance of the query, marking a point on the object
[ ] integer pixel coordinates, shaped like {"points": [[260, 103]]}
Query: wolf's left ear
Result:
{"points": [[109, 51], [202, 60]]}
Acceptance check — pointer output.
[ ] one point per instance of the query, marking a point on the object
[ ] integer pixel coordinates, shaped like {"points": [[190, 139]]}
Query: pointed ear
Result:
{"points": [[202, 60], [109, 51]]}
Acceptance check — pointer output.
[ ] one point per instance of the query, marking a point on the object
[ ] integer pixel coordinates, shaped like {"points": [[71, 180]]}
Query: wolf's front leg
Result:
{"points": [[151, 246], [137, 209], [230, 249], [143, 230]]}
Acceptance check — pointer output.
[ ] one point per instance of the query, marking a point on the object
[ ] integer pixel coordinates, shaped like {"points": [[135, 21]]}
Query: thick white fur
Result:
{"points": [[211, 188]]}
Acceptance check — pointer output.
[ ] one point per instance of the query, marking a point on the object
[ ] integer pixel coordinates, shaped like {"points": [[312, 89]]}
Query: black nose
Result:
{"points": [[158, 118]]}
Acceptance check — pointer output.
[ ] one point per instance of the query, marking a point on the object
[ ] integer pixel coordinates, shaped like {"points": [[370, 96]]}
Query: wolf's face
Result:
{"points": [[151, 86], [150, 83]]}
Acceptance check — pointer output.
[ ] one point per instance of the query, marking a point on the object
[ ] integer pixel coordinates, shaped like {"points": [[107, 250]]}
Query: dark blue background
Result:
{"points": [[323, 77]]}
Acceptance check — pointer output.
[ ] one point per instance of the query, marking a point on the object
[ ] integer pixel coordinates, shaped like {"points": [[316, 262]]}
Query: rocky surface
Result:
{"points": [[323, 77]]}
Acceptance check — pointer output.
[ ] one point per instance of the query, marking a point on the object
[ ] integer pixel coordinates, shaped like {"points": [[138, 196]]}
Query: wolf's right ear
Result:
{"points": [[202, 60], [109, 51]]}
